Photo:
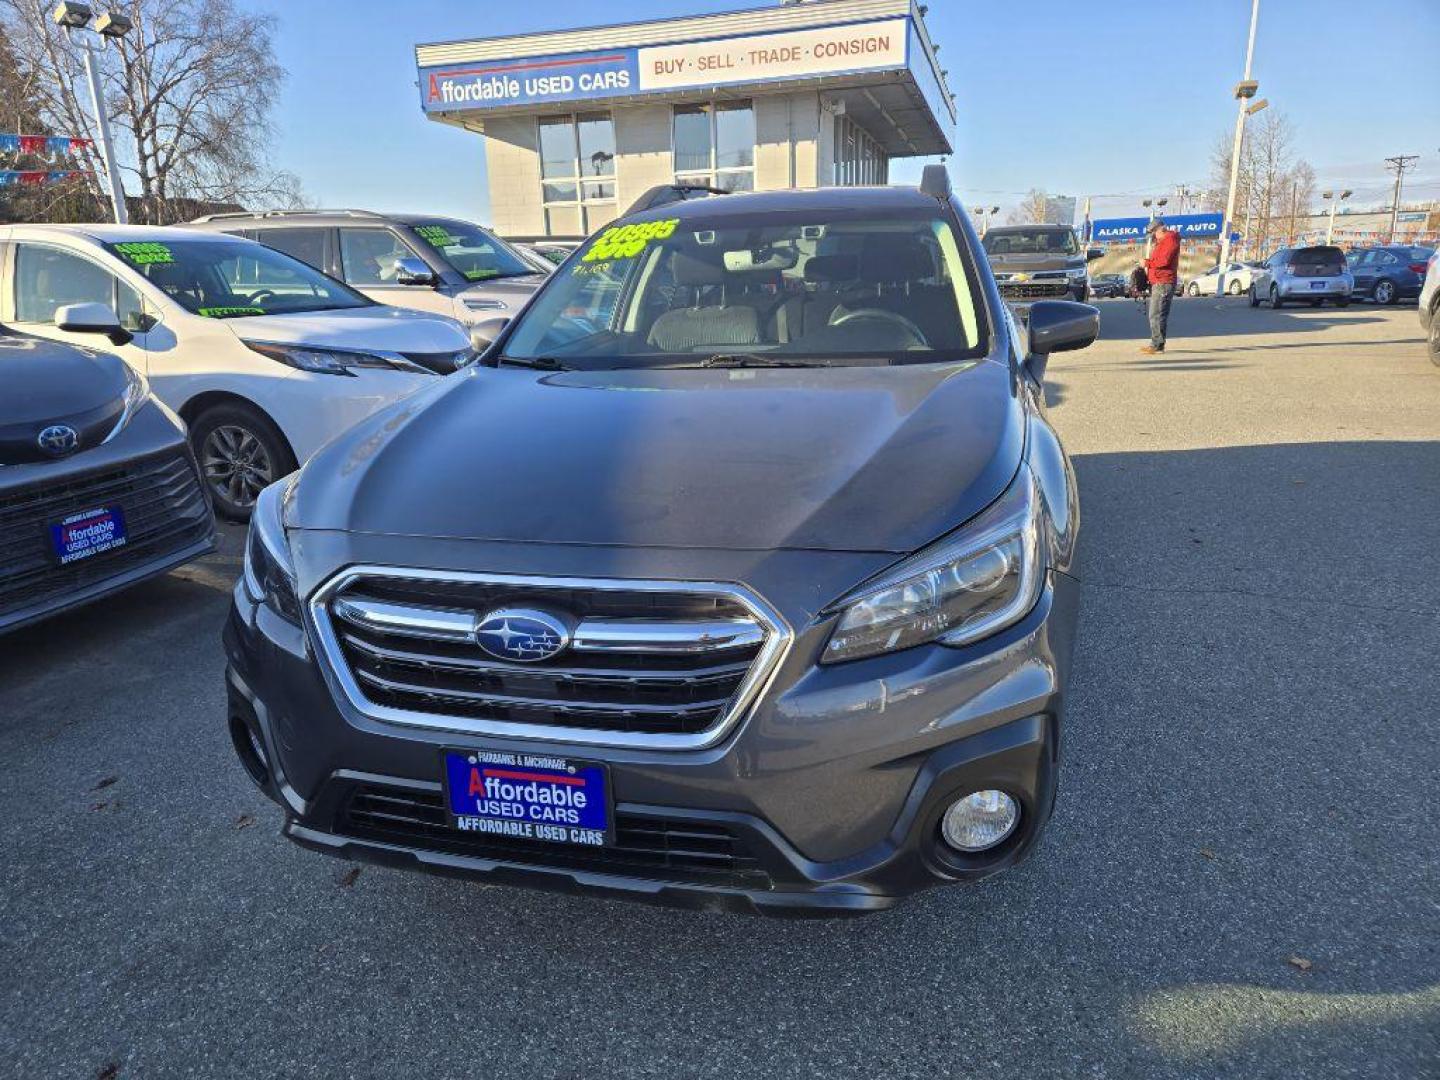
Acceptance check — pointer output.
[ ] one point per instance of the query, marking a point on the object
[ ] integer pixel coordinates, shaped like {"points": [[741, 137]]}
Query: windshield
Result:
{"points": [[230, 279], [471, 250], [1030, 242], [825, 287]]}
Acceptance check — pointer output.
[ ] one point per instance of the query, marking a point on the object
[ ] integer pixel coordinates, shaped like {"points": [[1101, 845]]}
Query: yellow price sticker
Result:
{"points": [[627, 241]]}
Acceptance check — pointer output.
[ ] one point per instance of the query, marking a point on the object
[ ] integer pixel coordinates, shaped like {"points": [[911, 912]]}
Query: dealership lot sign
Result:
{"points": [[877, 45], [1125, 230]]}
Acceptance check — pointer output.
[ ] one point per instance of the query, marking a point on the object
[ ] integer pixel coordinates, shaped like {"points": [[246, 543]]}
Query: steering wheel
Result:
{"points": [[261, 294], [880, 313]]}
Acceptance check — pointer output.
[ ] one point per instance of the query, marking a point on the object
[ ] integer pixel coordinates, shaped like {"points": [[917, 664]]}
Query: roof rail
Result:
{"points": [[664, 194], [256, 215], [935, 182]]}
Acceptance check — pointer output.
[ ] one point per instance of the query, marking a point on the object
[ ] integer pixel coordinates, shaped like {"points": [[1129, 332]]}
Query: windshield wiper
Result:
{"points": [[539, 363], [742, 360]]}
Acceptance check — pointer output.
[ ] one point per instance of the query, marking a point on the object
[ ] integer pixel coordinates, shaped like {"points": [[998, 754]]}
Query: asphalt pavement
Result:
{"points": [[1242, 878]]}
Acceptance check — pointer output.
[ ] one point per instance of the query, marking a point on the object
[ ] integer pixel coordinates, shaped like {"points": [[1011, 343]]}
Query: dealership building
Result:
{"points": [[579, 123]]}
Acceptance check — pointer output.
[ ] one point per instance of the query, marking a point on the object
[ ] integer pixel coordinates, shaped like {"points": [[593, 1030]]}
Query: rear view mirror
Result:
{"points": [[1062, 326], [411, 271], [1094, 253], [92, 318]]}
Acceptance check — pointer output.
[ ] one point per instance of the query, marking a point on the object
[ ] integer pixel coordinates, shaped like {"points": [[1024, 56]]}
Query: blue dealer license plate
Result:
{"points": [[88, 533], [528, 797]]}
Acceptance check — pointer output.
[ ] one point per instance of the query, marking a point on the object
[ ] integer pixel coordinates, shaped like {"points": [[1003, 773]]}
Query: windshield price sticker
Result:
{"points": [[627, 241], [480, 275], [437, 236], [146, 254], [228, 312]]}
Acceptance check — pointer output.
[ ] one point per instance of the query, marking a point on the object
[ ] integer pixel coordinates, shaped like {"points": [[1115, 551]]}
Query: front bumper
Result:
{"points": [[826, 799], [148, 471]]}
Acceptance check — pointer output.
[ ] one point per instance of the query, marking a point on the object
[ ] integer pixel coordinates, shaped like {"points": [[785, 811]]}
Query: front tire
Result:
{"points": [[1385, 292], [240, 451], [1194, 289], [1433, 341], [1275, 302], [1254, 299]]}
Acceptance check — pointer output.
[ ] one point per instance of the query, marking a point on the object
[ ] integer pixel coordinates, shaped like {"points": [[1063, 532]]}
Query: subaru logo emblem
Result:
{"points": [[521, 634], [59, 439]]}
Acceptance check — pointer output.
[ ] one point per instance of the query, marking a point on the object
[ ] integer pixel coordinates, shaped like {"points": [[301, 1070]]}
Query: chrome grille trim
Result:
{"points": [[765, 627]]}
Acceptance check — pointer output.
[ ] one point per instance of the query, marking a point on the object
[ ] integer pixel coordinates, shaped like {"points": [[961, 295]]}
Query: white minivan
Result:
{"points": [[264, 357]]}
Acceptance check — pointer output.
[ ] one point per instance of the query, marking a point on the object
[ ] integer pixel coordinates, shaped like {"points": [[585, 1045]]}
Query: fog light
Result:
{"points": [[980, 820]]}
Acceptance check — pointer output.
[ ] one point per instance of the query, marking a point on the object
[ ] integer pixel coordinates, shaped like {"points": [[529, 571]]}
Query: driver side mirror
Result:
{"points": [[1059, 326], [484, 332], [1094, 253], [412, 271], [92, 318]]}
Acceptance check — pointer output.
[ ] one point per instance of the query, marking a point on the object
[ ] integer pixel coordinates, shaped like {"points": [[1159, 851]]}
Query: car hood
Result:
{"points": [[857, 459], [47, 382], [515, 291], [1010, 263], [379, 327]]}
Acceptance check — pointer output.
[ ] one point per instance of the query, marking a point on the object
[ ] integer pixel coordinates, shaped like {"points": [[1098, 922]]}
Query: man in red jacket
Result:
{"points": [[1161, 270]]}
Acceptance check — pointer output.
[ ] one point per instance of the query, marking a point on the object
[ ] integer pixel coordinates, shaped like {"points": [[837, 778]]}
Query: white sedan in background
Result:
{"points": [[1237, 281]]}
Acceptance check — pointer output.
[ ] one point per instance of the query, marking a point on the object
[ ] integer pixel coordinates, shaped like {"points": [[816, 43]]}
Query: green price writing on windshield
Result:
{"points": [[147, 254], [228, 312], [627, 241], [436, 236]]}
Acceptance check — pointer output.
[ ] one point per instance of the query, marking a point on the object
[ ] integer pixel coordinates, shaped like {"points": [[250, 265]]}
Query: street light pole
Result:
{"points": [[74, 18], [102, 127], [1242, 96], [1334, 200]]}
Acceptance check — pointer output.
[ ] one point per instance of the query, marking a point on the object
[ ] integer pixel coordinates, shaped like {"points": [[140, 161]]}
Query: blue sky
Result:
{"points": [[1116, 97]]}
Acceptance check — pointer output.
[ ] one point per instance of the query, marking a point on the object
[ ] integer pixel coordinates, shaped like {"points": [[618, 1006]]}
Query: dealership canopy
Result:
{"points": [[792, 95]]}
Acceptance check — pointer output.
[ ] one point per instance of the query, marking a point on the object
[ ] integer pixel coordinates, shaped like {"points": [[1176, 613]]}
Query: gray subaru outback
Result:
{"points": [[739, 574]]}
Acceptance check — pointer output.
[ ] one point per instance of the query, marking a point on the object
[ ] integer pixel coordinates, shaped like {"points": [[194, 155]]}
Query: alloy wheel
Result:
{"points": [[1384, 293], [236, 464]]}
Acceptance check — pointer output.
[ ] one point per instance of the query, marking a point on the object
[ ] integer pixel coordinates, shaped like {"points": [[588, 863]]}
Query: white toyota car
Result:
{"points": [[264, 357]]}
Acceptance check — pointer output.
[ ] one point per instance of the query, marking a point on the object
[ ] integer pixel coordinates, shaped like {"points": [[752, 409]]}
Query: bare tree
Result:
{"points": [[1030, 211], [1273, 189], [191, 84]]}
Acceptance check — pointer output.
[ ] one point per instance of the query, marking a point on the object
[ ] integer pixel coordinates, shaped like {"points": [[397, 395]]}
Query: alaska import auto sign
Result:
{"points": [[830, 50], [1128, 230]]}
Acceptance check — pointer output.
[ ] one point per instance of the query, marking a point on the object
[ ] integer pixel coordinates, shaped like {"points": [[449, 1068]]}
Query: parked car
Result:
{"points": [[98, 487], [1108, 285], [1237, 281], [1430, 307], [436, 264], [1390, 274], [1303, 275], [763, 599], [1034, 262], [263, 357], [553, 254], [540, 260]]}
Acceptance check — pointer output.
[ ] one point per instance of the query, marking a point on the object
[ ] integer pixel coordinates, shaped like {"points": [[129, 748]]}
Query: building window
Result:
{"points": [[577, 172], [858, 157], [715, 145]]}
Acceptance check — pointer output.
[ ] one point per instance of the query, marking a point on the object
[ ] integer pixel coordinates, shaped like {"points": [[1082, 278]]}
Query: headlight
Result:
{"points": [[137, 392], [975, 582], [1077, 272], [269, 573], [332, 361]]}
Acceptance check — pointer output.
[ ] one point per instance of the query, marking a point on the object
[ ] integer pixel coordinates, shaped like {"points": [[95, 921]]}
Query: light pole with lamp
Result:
{"points": [[74, 19], [1244, 90], [1335, 201]]}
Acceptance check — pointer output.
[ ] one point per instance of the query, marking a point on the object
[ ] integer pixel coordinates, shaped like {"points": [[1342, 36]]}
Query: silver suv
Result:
{"points": [[435, 264], [1303, 275]]}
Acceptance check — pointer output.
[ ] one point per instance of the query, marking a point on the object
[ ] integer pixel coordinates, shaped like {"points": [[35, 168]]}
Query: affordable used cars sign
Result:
{"points": [[881, 44]]}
